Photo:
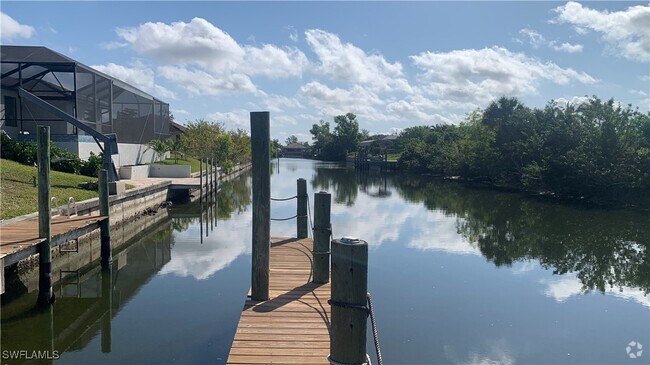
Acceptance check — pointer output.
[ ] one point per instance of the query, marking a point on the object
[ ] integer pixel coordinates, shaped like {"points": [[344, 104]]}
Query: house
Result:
{"points": [[176, 131], [294, 150], [101, 102], [386, 143]]}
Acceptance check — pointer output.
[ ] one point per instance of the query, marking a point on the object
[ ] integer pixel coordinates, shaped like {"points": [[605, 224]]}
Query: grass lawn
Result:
{"points": [[18, 195], [194, 163]]}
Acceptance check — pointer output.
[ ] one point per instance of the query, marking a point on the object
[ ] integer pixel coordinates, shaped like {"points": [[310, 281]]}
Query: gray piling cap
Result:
{"points": [[349, 240]]}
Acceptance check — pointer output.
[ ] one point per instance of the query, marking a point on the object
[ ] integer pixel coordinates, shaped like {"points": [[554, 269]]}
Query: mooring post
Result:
{"points": [[321, 253], [45, 294], [105, 225], [260, 136], [107, 303], [201, 177], [301, 211], [349, 300]]}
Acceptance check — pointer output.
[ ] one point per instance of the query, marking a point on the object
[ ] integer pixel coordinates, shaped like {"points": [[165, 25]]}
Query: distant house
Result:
{"points": [[101, 102], [383, 142], [294, 150], [176, 131]]}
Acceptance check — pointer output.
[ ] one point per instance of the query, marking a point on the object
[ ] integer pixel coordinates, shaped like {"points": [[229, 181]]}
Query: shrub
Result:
{"points": [[92, 166]]}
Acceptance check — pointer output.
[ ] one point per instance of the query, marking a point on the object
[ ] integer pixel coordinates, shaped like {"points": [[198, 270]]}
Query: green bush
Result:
{"points": [[25, 152], [92, 166]]}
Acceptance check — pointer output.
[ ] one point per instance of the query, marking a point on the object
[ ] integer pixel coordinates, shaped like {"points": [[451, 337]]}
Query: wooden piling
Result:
{"points": [[107, 304], [45, 294], [201, 176], [301, 209], [321, 253], [260, 136], [104, 225], [349, 301]]}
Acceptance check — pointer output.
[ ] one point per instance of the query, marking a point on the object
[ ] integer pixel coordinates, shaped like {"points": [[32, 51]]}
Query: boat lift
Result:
{"points": [[109, 140]]}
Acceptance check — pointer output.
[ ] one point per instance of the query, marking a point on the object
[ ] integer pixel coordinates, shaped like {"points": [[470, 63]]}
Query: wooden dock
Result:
{"points": [[19, 240], [293, 326]]}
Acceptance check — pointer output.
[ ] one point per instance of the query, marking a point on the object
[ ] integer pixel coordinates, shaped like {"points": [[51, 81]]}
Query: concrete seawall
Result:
{"points": [[131, 213]]}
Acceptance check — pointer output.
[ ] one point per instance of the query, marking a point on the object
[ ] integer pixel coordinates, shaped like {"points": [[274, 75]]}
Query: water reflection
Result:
{"points": [[87, 301], [200, 252], [604, 249]]}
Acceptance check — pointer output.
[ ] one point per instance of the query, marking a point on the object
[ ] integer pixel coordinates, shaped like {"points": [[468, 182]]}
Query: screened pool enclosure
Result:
{"points": [[107, 105]]}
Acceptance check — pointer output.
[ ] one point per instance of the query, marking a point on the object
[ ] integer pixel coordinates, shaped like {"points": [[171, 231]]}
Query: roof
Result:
{"points": [[44, 55], [295, 146], [180, 127], [37, 54]]}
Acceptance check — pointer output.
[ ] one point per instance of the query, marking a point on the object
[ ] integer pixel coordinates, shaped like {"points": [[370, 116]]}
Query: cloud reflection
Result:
{"points": [[564, 288], [229, 240]]}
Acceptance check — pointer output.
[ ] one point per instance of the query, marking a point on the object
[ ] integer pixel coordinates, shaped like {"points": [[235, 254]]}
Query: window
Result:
{"points": [[11, 117]]}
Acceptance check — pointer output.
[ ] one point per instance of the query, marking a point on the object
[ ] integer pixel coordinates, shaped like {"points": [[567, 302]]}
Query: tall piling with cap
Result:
{"points": [[301, 209], [45, 294], [260, 143], [322, 232], [348, 301]]}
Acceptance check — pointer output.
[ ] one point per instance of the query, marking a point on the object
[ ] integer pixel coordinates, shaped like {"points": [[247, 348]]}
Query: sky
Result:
{"points": [[393, 64]]}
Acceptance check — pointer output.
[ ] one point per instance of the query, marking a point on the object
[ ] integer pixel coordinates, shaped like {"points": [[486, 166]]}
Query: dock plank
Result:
{"points": [[19, 240], [293, 326]]}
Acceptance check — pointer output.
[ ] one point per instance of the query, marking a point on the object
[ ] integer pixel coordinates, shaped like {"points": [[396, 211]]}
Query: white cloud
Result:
{"points": [[10, 28], [214, 51], [347, 62], [277, 103], [199, 82], [293, 33], [411, 111], [480, 75], [114, 45], [197, 42], [180, 111], [534, 39], [274, 62], [537, 40], [627, 31], [338, 101], [567, 47], [137, 75], [232, 120]]}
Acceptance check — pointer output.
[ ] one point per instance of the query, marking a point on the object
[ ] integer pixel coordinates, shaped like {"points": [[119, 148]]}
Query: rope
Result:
{"points": [[311, 224], [371, 314], [286, 219], [375, 335], [283, 199]]}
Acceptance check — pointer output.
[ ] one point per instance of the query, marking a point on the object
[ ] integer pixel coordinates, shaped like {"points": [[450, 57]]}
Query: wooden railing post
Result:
{"points": [[301, 209], [45, 294], [349, 300], [260, 138], [321, 253], [105, 225]]}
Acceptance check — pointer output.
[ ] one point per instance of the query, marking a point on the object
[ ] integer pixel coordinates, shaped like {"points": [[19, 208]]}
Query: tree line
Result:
{"points": [[597, 151], [208, 139]]}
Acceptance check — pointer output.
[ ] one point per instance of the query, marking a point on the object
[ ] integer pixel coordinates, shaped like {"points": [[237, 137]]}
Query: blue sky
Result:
{"points": [[394, 64]]}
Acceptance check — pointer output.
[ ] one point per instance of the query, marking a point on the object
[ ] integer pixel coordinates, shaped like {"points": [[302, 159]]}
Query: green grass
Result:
{"points": [[194, 163], [18, 195], [394, 156]]}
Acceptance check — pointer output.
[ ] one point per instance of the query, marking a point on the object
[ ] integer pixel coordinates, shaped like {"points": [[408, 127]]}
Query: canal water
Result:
{"points": [[459, 275]]}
